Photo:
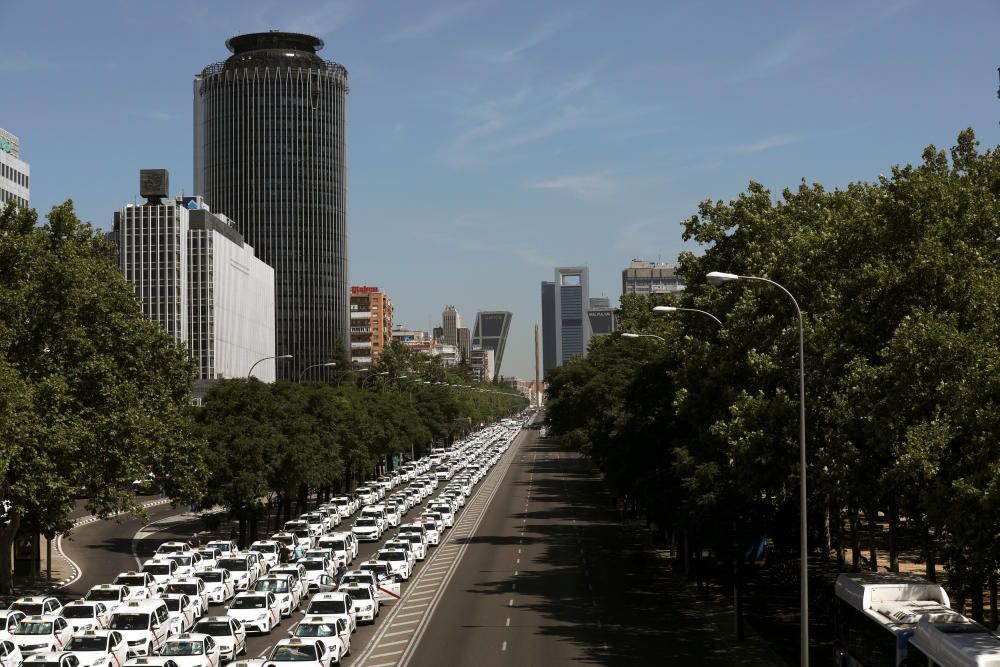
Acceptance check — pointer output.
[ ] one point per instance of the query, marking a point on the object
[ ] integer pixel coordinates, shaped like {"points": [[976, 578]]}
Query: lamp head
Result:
{"points": [[718, 277], [629, 335], [284, 356], [664, 309]]}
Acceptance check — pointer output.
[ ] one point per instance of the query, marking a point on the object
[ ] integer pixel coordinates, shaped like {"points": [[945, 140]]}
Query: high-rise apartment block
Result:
{"points": [[482, 365], [270, 149], [15, 174], [414, 339], [194, 275], [642, 277], [371, 323], [464, 344], [490, 333]]}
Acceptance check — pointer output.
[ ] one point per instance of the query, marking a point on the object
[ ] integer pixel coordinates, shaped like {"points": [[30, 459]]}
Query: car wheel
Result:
{"points": [[270, 626], [244, 650]]}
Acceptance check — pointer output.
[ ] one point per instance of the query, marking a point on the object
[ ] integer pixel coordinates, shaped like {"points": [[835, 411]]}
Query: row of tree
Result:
{"points": [[899, 284], [93, 396]]}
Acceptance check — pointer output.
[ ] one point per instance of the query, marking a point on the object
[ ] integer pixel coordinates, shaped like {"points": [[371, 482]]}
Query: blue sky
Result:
{"points": [[492, 140]]}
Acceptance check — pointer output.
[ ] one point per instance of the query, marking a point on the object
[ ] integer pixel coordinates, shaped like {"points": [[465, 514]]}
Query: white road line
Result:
{"points": [[511, 603], [396, 634], [396, 643], [425, 597], [508, 622], [412, 613], [504, 647], [387, 655], [383, 664], [398, 623]]}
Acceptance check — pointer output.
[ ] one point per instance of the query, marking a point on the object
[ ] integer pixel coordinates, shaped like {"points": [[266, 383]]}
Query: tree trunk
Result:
{"points": [[7, 535], [930, 556], [977, 599], [893, 529], [242, 540], [838, 522], [827, 538], [855, 540], [872, 548], [994, 614]]}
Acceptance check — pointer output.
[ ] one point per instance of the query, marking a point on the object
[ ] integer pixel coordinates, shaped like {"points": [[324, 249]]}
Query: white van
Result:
{"points": [[144, 624]]}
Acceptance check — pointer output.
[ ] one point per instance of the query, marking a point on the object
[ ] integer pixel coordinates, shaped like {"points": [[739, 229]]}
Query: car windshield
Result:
{"points": [[315, 630], [284, 539], [211, 577], [186, 589], [411, 538], [314, 565], [361, 593], [391, 555], [29, 608], [182, 647], [129, 622], [264, 548], [78, 611], [160, 568], [173, 604], [356, 579], [208, 554], [327, 607], [293, 653], [237, 564], [86, 643], [181, 560], [169, 548], [103, 595], [130, 580], [301, 533], [249, 602], [33, 628], [214, 628], [365, 523], [271, 585]]}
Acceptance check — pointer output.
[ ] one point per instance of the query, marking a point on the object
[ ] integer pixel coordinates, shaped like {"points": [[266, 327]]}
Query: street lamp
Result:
{"points": [[365, 381], [280, 356], [671, 309], [718, 278], [308, 368], [346, 373], [635, 335]]}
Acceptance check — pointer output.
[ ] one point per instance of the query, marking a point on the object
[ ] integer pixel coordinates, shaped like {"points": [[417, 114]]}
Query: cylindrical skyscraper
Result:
{"points": [[270, 151]]}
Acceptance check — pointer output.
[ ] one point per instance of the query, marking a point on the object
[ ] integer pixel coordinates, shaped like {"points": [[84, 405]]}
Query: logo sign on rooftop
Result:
{"points": [[8, 143]]}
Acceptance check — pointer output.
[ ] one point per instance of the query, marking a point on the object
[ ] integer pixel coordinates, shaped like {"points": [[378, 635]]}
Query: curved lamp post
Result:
{"points": [[280, 356], [718, 278], [373, 375], [346, 373], [308, 368], [635, 335], [671, 309]]}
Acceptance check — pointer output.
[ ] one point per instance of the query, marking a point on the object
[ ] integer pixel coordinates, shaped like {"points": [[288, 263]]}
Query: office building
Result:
{"points": [[572, 299], [464, 344], [482, 364], [15, 174], [490, 333], [642, 277], [195, 276], [451, 322], [447, 354], [548, 327], [270, 150], [371, 323], [602, 316]]}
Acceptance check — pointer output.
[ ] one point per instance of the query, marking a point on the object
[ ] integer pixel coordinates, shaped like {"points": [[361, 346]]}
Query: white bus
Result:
{"points": [[965, 644], [877, 613]]}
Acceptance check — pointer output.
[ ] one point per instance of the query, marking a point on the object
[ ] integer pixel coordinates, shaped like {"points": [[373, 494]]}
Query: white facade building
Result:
{"points": [[483, 364], [448, 354], [15, 174], [194, 275]]}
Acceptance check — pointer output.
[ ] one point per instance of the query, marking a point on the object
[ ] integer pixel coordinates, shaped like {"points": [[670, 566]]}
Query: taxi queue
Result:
{"points": [[161, 616]]}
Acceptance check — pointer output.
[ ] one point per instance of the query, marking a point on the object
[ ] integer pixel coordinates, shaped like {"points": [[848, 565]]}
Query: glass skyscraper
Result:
{"points": [[270, 150]]}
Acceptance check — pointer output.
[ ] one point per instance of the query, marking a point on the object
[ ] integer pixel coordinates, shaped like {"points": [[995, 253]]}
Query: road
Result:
{"points": [[537, 571]]}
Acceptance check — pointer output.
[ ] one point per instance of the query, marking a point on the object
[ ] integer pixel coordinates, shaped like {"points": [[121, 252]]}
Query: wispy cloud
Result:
{"points": [[766, 144], [544, 32], [776, 56], [432, 22], [589, 187], [160, 116]]}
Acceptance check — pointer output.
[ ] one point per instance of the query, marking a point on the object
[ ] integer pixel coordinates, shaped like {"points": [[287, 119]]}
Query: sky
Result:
{"points": [[490, 141]]}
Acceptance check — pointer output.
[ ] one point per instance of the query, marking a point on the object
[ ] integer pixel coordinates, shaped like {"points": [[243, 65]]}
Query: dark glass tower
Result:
{"points": [[270, 151]]}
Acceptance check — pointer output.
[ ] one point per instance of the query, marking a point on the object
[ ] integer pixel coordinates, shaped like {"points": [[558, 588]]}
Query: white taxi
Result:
{"points": [[303, 652], [9, 618], [10, 654], [225, 546], [52, 659], [191, 649], [141, 585], [218, 584], [192, 587], [400, 561], [227, 632], [181, 611], [39, 634], [334, 632], [111, 595], [283, 588], [335, 604], [173, 548], [36, 605], [257, 611], [366, 603], [98, 648], [161, 569], [84, 615]]}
